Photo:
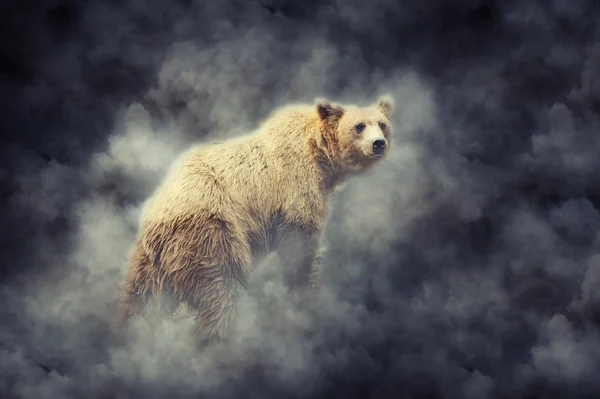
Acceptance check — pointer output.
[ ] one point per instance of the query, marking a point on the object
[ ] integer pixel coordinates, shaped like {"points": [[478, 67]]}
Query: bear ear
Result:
{"points": [[386, 105], [328, 112]]}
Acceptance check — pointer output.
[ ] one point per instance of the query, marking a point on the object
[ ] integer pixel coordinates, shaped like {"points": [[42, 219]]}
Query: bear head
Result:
{"points": [[357, 137]]}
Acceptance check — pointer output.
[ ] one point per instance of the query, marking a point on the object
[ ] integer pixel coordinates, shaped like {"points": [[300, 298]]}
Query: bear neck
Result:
{"points": [[323, 147]]}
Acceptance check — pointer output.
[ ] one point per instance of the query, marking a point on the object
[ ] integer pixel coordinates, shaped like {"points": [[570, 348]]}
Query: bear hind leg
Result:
{"points": [[212, 299], [212, 283], [141, 293], [133, 295]]}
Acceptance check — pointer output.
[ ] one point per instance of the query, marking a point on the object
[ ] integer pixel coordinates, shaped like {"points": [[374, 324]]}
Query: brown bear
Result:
{"points": [[222, 205]]}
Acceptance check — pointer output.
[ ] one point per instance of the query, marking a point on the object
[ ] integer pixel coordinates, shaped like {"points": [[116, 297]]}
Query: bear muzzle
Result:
{"points": [[378, 147]]}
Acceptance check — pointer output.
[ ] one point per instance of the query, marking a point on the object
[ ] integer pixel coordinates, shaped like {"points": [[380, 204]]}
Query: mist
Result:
{"points": [[466, 265]]}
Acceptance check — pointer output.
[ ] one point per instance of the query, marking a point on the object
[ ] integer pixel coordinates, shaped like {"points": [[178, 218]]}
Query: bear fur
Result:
{"points": [[222, 205]]}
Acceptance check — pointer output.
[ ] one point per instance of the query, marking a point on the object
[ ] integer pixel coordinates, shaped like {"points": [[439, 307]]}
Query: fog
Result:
{"points": [[466, 265]]}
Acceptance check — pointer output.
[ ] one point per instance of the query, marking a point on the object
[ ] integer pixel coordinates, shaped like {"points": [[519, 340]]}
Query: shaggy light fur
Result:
{"points": [[222, 205]]}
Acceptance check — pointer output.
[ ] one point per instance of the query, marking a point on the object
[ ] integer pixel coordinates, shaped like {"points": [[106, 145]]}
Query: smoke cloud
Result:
{"points": [[466, 266]]}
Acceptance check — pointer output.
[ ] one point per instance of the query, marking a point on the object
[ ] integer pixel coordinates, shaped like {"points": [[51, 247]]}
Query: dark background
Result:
{"points": [[465, 267]]}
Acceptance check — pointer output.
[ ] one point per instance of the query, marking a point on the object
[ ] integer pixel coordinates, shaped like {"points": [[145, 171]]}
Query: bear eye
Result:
{"points": [[360, 127], [382, 126]]}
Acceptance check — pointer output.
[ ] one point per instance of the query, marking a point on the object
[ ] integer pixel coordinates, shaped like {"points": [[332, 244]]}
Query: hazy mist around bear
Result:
{"points": [[464, 266]]}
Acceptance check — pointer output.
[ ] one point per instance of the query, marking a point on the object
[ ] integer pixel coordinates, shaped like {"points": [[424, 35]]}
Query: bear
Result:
{"points": [[221, 206]]}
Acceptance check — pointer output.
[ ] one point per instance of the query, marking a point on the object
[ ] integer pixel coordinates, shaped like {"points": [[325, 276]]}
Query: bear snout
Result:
{"points": [[378, 147]]}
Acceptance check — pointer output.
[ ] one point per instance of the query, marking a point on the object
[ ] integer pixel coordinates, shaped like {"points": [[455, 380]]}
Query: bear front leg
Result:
{"points": [[316, 268], [298, 249]]}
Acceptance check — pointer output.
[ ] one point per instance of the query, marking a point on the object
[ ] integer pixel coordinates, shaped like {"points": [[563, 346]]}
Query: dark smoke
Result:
{"points": [[466, 266]]}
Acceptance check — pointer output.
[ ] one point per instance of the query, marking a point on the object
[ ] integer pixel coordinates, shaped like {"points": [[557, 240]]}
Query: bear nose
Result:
{"points": [[378, 145]]}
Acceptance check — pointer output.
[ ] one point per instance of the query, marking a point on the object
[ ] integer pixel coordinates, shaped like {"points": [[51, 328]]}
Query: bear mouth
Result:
{"points": [[377, 154]]}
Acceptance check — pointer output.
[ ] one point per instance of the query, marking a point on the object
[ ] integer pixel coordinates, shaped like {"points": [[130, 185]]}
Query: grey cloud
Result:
{"points": [[465, 266]]}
